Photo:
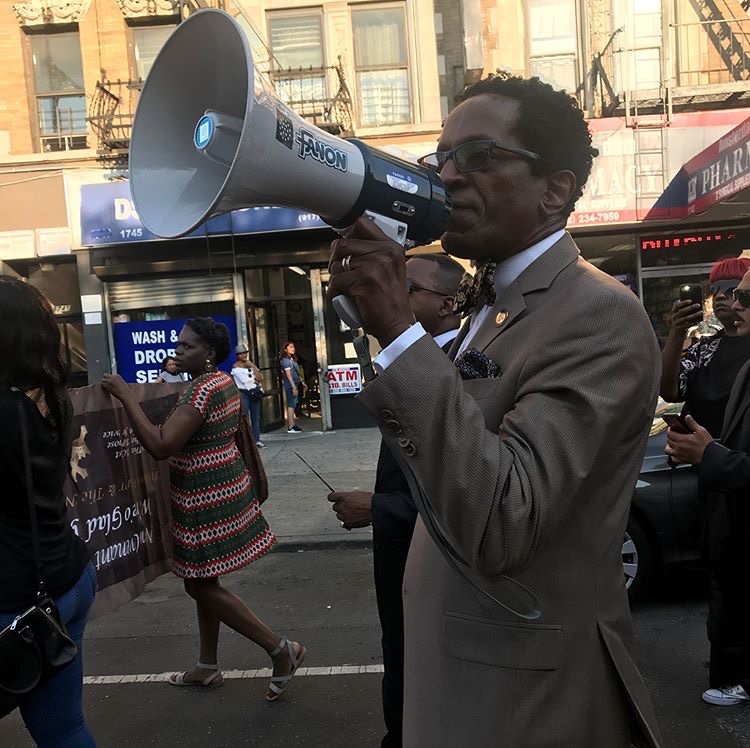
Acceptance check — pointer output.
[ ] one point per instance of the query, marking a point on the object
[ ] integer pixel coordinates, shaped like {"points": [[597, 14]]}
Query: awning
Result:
{"points": [[721, 171], [711, 178]]}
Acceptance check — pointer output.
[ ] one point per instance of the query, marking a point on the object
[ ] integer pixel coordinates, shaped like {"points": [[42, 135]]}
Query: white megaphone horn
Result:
{"points": [[210, 137]]}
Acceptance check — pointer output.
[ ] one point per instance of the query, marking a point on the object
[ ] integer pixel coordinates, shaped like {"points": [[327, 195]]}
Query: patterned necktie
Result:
{"points": [[474, 289]]}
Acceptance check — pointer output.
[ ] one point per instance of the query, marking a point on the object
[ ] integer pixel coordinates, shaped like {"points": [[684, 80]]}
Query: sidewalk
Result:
{"points": [[297, 508]]}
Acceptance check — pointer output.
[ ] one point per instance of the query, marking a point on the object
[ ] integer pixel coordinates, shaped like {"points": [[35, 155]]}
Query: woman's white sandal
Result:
{"points": [[214, 680], [279, 683]]}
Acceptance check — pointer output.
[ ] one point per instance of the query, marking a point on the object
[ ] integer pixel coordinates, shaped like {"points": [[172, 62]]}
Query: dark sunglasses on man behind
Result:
{"points": [[472, 156], [742, 297], [411, 286]]}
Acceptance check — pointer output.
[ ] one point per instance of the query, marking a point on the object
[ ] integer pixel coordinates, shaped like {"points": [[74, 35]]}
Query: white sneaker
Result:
{"points": [[260, 445], [728, 696]]}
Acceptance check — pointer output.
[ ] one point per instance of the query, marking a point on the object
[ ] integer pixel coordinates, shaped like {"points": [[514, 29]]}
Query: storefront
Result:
{"points": [[665, 202], [263, 272]]}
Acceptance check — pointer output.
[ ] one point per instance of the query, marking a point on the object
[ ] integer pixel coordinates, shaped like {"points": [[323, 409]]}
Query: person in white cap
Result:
{"points": [[249, 382]]}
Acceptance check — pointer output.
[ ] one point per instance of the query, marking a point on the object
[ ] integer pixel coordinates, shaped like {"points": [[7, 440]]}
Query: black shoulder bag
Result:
{"points": [[36, 645]]}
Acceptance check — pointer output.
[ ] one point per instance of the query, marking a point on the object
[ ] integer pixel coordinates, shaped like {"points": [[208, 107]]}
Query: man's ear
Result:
{"points": [[446, 307], [561, 186]]}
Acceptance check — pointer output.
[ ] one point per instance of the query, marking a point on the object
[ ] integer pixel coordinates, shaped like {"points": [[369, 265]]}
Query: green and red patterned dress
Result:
{"points": [[217, 523]]}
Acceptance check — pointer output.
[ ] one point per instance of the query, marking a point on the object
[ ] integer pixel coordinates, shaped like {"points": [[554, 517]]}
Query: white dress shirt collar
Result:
{"points": [[508, 270], [446, 337], [506, 273]]}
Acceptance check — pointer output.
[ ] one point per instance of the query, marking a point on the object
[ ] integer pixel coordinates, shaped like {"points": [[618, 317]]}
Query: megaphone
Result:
{"points": [[209, 136]]}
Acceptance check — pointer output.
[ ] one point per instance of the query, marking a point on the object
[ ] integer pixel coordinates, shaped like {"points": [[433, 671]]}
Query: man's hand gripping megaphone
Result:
{"points": [[370, 268]]}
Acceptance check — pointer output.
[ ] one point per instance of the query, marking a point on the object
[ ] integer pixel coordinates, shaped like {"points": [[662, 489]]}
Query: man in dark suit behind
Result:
{"points": [[433, 280]]}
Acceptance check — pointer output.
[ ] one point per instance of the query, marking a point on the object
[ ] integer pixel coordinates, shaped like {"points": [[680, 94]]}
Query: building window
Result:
{"points": [[553, 42], [639, 57], [381, 62], [297, 46], [60, 97], [147, 42]]}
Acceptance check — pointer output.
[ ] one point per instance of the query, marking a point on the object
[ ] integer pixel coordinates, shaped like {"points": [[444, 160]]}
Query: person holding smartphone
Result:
{"points": [[724, 479], [702, 375]]}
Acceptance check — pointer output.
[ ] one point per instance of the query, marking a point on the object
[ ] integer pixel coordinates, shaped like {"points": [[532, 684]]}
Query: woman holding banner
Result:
{"points": [[34, 402], [217, 523]]}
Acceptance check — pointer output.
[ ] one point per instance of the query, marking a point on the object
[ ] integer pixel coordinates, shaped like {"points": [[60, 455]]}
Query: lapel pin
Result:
{"points": [[501, 317]]}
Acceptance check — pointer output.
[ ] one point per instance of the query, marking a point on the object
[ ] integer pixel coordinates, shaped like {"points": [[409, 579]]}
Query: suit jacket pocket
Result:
{"points": [[517, 646], [494, 397]]}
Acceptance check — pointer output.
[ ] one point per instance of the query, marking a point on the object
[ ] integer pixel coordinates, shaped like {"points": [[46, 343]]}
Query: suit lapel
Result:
{"points": [[739, 401], [511, 304]]}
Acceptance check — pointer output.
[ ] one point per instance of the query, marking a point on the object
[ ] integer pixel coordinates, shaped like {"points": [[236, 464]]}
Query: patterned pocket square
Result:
{"points": [[472, 364]]}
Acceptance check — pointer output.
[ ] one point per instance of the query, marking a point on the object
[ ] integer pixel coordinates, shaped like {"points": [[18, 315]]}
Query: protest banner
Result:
{"points": [[117, 495]]}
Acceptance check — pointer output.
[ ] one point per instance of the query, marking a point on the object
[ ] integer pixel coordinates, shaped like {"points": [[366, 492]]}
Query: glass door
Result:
{"points": [[280, 308], [262, 323]]}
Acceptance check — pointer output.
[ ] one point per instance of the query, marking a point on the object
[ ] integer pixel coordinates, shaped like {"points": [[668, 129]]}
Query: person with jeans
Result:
{"points": [[34, 378], [249, 382], [292, 380]]}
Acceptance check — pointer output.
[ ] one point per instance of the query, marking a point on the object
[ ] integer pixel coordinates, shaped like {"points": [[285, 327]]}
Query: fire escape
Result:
{"points": [[305, 90]]}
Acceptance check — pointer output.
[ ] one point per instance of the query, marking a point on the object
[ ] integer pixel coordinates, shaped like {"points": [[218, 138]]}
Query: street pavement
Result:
{"points": [[317, 588]]}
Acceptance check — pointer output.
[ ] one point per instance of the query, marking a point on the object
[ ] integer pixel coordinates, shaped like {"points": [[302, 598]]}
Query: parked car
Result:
{"points": [[665, 518]]}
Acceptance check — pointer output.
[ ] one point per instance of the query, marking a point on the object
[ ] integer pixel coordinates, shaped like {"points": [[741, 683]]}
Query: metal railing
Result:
{"points": [[713, 52]]}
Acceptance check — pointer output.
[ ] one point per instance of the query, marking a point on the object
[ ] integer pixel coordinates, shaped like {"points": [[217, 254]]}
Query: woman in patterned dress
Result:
{"points": [[217, 524]]}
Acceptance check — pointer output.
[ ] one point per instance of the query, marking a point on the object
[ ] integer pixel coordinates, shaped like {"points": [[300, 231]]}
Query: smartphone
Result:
{"points": [[692, 292], [677, 423]]}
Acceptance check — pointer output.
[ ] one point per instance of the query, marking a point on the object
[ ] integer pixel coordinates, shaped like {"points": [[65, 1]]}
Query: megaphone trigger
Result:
{"points": [[391, 227]]}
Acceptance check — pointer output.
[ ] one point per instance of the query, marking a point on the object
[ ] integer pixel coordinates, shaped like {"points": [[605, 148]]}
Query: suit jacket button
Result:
{"points": [[403, 442], [394, 426], [410, 449], [386, 415]]}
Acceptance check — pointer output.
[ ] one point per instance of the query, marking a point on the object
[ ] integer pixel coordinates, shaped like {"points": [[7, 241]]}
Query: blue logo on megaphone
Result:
{"points": [[204, 130]]}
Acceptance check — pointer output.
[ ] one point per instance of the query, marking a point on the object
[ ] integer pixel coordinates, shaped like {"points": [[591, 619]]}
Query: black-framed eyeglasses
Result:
{"points": [[412, 286], [742, 297], [724, 286], [472, 156]]}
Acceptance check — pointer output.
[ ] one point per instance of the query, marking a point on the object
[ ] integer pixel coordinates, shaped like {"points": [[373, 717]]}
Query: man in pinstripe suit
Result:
{"points": [[526, 451]]}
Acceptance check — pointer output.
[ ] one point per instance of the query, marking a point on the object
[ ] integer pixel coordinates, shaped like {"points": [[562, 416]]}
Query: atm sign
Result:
{"points": [[344, 379]]}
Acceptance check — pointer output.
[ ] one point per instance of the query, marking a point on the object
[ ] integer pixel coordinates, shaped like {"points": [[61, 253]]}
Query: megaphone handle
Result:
{"points": [[347, 310], [345, 307]]}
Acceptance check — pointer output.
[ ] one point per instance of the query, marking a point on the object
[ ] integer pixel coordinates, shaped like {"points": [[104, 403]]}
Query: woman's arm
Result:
{"points": [[162, 442], [288, 373], [256, 372], [685, 314]]}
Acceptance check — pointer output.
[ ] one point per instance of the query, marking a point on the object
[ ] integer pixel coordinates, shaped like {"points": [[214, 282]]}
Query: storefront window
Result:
{"points": [[614, 255]]}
